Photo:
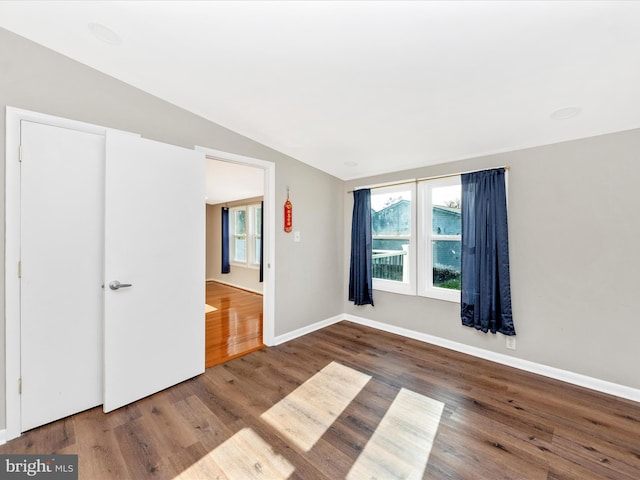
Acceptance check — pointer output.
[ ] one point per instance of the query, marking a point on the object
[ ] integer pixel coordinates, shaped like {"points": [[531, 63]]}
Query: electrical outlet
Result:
{"points": [[511, 342]]}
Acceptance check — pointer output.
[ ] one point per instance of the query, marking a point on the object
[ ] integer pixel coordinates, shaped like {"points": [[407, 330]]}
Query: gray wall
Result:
{"points": [[573, 213], [308, 274], [245, 277], [573, 277]]}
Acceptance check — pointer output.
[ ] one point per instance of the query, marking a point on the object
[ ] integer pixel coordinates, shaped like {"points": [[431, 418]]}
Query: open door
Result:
{"points": [[154, 267]]}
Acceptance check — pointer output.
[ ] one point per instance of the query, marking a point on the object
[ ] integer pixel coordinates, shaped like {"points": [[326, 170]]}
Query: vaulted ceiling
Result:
{"points": [[360, 88]]}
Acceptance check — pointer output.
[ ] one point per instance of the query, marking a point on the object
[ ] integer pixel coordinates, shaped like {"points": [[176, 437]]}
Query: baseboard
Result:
{"points": [[308, 329], [240, 287], [526, 365], [573, 378]]}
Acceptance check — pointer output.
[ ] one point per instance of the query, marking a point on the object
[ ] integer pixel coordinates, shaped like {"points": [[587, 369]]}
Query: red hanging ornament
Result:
{"points": [[288, 215]]}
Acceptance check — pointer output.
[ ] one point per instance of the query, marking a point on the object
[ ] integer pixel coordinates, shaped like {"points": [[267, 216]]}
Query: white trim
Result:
{"points": [[573, 378], [308, 329], [408, 285], [426, 237], [252, 256], [3, 436], [268, 309], [14, 116], [11, 280], [229, 284]]}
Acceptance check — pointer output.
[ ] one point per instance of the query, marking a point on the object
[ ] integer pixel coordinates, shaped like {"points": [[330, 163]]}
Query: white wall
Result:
{"points": [[573, 226]]}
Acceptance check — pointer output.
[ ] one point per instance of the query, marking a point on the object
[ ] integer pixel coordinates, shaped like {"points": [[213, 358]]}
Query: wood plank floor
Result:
{"points": [[234, 328], [383, 402]]}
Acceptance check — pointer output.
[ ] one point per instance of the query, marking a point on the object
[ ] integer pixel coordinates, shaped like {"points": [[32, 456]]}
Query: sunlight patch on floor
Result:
{"points": [[306, 414], [401, 445], [399, 448], [244, 456]]}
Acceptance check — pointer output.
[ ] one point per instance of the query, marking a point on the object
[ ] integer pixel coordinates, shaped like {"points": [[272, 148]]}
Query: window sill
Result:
{"points": [[401, 288], [447, 295], [393, 287], [244, 265]]}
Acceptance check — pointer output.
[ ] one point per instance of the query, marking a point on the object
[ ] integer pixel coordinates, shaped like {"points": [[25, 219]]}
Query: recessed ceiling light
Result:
{"points": [[565, 113], [105, 34], [350, 163]]}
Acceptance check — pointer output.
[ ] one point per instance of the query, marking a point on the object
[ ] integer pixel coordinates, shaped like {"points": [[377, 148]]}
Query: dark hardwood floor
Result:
{"points": [[234, 328], [234, 421]]}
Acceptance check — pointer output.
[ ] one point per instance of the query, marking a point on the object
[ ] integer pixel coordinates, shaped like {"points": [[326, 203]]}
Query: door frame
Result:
{"points": [[14, 116], [269, 223]]}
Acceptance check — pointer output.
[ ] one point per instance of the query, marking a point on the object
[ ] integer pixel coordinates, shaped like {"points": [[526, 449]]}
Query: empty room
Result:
{"points": [[319, 240]]}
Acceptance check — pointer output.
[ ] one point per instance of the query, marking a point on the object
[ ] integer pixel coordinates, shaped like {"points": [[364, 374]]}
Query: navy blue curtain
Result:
{"points": [[226, 268], [360, 271], [261, 241], [486, 292]]}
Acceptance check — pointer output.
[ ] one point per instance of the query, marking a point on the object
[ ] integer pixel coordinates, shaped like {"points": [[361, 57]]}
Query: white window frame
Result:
{"points": [[408, 285], [254, 258], [252, 233], [233, 235], [425, 238]]}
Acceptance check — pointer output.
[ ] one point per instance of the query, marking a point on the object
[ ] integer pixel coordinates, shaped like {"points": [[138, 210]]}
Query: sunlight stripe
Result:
{"points": [[401, 445], [208, 308], [244, 456], [306, 414]]}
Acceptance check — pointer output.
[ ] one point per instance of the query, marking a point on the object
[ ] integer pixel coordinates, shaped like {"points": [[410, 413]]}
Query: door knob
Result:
{"points": [[116, 285]]}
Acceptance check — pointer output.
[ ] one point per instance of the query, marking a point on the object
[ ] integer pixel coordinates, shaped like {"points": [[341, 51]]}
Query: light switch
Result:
{"points": [[296, 236]]}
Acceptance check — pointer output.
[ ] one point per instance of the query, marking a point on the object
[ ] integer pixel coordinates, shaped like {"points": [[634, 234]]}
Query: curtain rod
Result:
{"points": [[424, 179]]}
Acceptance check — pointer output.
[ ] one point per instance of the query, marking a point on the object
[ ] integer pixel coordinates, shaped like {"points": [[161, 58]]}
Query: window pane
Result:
{"points": [[391, 213], [240, 249], [258, 220], [446, 219], [257, 250], [391, 219], [240, 219], [390, 260], [446, 263]]}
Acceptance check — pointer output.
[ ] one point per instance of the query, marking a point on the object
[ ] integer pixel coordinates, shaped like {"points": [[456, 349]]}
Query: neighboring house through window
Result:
{"points": [[393, 232], [440, 240], [417, 241]]}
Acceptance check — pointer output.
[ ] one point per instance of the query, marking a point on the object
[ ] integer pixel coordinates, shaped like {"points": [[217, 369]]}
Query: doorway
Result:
{"points": [[260, 295]]}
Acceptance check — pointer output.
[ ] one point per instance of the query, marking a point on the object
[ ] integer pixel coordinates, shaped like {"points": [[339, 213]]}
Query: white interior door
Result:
{"points": [[155, 242], [62, 230]]}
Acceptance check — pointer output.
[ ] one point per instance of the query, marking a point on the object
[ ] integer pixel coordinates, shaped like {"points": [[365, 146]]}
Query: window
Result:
{"points": [[239, 234], [245, 235], [393, 232], [417, 243], [440, 238], [257, 238]]}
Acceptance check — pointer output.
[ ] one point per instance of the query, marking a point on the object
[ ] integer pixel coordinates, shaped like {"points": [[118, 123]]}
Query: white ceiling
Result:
{"points": [[360, 88], [227, 182]]}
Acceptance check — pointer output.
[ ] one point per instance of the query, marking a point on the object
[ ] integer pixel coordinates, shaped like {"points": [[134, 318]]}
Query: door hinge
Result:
{"points": [[20, 153], [20, 269], [20, 386]]}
